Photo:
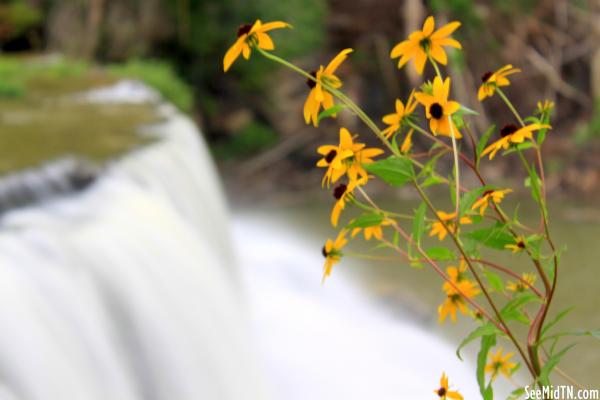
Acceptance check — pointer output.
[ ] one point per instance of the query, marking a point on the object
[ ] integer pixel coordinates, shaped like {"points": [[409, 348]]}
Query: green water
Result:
{"points": [[415, 293]]}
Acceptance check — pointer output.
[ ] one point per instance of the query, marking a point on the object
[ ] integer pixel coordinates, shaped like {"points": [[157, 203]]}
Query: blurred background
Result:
{"points": [[83, 87]]}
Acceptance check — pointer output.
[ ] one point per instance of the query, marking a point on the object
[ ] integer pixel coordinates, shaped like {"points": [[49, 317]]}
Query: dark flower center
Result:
{"points": [[486, 76], [425, 44], [339, 191], [436, 110], [330, 156], [244, 29], [508, 130], [521, 244], [441, 392], [311, 84], [324, 252], [487, 192]]}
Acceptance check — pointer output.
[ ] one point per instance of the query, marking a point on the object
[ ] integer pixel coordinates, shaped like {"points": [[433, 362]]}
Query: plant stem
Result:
{"points": [[510, 106]]}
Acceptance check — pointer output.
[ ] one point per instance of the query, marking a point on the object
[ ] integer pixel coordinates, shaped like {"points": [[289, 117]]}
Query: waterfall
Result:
{"points": [[129, 290]]}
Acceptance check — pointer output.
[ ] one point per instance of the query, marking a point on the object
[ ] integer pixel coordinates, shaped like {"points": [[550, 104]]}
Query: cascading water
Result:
{"points": [[127, 291]]}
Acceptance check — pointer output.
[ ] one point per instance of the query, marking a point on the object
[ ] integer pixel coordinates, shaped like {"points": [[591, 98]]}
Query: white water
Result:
{"points": [[128, 291]]}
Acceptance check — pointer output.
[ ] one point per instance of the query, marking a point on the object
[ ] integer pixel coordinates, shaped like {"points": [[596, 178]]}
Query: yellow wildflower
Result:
{"points": [[519, 245], [332, 252], [447, 224], [421, 43], [456, 275], [318, 95], [439, 109], [407, 142], [512, 134], [250, 36], [396, 119], [492, 80], [527, 281], [495, 196], [500, 364], [545, 107], [334, 156], [454, 300], [444, 393], [343, 193]]}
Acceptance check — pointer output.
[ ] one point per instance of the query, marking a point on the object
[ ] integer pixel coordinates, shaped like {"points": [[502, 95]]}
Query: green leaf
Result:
{"points": [[512, 311], [419, 223], [394, 170], [534, 183], [516, 394], [556, 320], [494, 280], [466, 110], [432, 180], [330, 112], [487, 342], [440, 253], [483, 330], [366, 220], [521, 146], [483, 141], [495, 237], [551, 363]]}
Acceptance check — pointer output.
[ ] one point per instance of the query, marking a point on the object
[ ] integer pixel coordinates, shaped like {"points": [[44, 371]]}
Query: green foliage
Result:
{"points": [[484, 330], [252, 139], [440, 253], [495, 237], [330, 112], [483, 142], [419, 223], [394, 170], [16, 18], [161, 76], [487, 342], [366, 220]]}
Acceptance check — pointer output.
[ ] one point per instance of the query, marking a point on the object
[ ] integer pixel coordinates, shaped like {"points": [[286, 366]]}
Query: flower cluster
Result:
{"points": [[475, 222]]}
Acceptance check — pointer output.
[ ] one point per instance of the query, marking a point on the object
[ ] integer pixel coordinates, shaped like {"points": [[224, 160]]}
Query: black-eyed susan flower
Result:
{"points": [[494, 196], [334, 156], [518, 245], [520, 286], [455, 302], [444, 392], [447, 224], [512, 134], [318, 96], [421, 43], [332, 252], [439, 109], [500, 363], [250, 36], [343, 193], [375, 231], [456, 274], [346, 158], [490, 81], [397, 119]]}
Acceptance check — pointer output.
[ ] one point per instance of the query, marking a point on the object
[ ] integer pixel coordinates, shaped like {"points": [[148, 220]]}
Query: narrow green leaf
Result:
{"points": [[496, 283], [483, 141], [431, 180], [556, 320], [534, 183], [366, 220], [521, 146], [551, 363], [393, 170], [330, 112], [487, 342], [419, 223], [440, 253], [483, 330], [495, 237], [516, 394]]}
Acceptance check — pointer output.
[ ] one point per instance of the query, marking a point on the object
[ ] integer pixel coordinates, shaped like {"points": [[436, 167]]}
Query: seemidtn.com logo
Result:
{"points": [[561, 392]]}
